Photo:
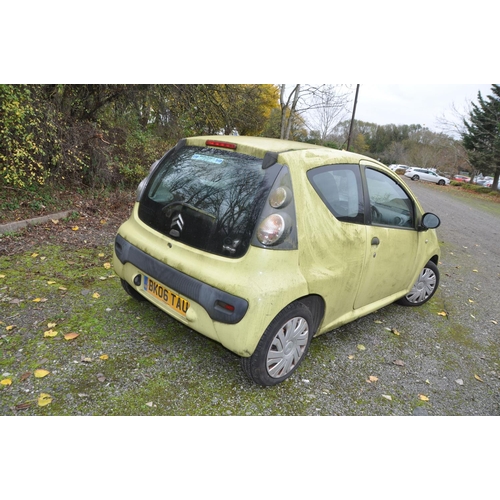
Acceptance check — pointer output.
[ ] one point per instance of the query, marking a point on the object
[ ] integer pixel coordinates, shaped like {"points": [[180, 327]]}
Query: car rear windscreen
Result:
{"points": [[207, 198]]}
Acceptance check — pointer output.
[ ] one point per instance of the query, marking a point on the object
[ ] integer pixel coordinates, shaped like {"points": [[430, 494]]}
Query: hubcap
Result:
{"points": [[288, 347], [423, 287]]}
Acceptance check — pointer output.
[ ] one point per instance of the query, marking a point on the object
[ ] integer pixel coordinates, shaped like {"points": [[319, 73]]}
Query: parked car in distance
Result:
{"points": [[423, 174], [461, 178], [399, 169], [489, 183], [261, 244], [480, 179]]}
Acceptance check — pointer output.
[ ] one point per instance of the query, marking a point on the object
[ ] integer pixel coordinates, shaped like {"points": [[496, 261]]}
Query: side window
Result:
{"points": [[389, 203], [339, 186]]}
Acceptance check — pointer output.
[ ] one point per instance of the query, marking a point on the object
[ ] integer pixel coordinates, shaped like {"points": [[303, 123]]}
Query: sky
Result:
{"points": [[422, 104]]}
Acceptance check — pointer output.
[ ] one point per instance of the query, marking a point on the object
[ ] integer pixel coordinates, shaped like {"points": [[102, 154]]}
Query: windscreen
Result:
{"points": [[207, 198]]}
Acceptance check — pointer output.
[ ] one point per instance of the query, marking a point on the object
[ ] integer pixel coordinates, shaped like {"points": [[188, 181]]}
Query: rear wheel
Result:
{"points": [[424, 288], [415, 178], [282, 347]]}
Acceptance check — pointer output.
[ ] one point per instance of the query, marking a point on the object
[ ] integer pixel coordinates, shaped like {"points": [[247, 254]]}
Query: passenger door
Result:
{"points": [[391, 240]]}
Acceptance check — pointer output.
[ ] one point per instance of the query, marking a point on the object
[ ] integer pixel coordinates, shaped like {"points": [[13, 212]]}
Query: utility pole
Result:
{"points": [[352, 119]]}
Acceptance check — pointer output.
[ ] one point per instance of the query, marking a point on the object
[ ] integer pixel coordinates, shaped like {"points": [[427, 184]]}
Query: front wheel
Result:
{"points": [[282, 347], [424, 288], [441, 182]]}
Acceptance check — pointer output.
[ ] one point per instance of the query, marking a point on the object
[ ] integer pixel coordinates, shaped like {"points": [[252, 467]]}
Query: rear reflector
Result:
{"points": [[224, 305], [221, 144]]}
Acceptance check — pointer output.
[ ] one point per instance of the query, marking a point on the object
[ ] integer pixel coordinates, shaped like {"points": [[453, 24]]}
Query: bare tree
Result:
{"points": [[323, 104]]}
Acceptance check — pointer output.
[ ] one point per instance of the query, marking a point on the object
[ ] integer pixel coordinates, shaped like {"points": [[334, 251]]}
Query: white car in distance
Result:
{"points": [[422, 174]]}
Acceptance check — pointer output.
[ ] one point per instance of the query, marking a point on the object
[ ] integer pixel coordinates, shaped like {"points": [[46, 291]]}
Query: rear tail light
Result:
{"points": [[280, 197], [271, 229]]}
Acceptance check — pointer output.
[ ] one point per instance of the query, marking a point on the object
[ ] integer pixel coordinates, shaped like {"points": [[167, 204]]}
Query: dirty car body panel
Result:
{"points": [[260, 244]]}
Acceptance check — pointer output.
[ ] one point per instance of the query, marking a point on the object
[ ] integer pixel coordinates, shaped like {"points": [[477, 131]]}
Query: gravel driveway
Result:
{"points": [[131, 359]]}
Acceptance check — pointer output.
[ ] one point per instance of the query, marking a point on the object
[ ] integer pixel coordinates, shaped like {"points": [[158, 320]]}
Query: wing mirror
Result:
{"points": [[429, 221]]}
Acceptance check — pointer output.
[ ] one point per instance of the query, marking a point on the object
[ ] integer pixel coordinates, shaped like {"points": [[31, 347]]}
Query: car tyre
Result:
{"points": [[415, 178], [424, 288], [283, 346], [133, 293], [441, 182]]}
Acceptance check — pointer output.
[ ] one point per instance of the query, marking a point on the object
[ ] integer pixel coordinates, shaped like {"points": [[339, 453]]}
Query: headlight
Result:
{"points": [[271, 229]]}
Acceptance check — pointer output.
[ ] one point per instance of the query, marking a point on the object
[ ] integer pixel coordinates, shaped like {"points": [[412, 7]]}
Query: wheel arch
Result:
{"points": [[316, 304]]}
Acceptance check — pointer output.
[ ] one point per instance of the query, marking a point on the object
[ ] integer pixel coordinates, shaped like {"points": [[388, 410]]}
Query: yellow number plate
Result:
{"points": [[161, 292]]}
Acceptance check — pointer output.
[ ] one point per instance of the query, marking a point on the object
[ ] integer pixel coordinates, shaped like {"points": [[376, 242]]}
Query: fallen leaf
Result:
{"points": [[104, 356], [51, 325], [351, 356], [38, 299], [23, 406], [34, 255], [2, 275], [443, 313], [101, 377], [75, 228], [475, 271], [54, 221], [51, 282], [150, 404], [6, 381], [95, 295], [10, 327], [459, 381], [62, 288], [372, 379], [398, 362], [378, 322], [44, 399], [477, 377], [86, 360], [71, 336], [40, 373], [106, 265], [101, 255], [423, 398], [50, 333], [386, 396], [494, 322], [24, 376], [393, 330], [471, 301], [361, 347]]}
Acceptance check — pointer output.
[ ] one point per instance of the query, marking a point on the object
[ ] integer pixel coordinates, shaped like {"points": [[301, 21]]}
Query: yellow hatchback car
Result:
{"points": [[261, 244]]}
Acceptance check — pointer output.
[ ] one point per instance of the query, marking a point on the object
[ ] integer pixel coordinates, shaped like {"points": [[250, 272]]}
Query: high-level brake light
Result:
{"points": [[220, 144]]}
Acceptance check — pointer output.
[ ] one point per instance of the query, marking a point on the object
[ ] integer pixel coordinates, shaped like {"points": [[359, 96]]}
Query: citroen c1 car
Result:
{"points": [[261, 244]]}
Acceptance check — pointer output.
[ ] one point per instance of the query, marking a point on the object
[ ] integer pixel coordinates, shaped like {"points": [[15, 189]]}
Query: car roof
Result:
{"points": [[309, 155]]}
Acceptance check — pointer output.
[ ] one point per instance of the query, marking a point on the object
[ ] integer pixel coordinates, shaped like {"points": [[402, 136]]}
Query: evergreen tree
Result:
{"points": [[482, 134]]}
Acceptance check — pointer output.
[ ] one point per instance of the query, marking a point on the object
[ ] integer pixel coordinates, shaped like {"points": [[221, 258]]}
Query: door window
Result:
{"points": [[389, 203], [339, 186]]}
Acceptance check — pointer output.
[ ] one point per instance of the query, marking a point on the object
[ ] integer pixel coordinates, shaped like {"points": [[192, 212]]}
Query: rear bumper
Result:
{"points": [[205, 295]]}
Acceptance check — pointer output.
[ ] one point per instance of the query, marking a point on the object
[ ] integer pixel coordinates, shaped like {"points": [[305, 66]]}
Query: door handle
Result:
{"points": [[375, 241]]}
